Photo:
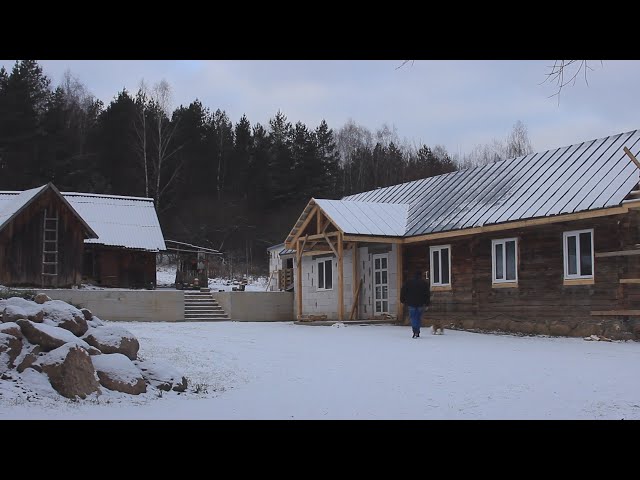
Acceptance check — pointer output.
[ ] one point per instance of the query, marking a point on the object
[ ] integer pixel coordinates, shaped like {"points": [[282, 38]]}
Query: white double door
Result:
{"points": [[381, 283]]}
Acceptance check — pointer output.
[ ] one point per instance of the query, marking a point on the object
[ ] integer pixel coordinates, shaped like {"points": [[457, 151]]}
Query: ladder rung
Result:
{"points": [[50, 229], [50, 274], [51, 241], [50, 251], [49, 263]]}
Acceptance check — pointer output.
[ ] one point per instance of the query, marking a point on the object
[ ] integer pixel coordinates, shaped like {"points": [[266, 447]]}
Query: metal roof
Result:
{"points": [[366, 218], [129, 222], [586, 176]]}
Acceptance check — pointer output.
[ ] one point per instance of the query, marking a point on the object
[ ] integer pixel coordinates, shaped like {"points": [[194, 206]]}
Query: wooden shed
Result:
{"points": [[41, 239], [546, 243], [54, 239]]}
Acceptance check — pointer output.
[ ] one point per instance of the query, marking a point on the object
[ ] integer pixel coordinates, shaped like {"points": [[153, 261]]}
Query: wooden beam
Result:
{"points": [[322, 236], [316, 252], [302, 227], [399, 282], [354, 280], [633, 313], [299, 277], [579, 281], [331, 245], [521, 223], [303, 244], [375, 239], [340, 279], [318, 221], [632, 156], [619, 253], [630, 280]]}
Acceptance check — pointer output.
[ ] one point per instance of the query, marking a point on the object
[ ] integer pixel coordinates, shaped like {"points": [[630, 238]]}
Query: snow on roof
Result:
{"points": [[130, 222], [120, 221], [13, 202], [366, 218], [587, 176]]}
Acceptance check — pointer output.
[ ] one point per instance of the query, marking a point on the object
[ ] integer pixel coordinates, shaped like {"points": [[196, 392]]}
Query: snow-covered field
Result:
{"points": [[286, 371], [166, 276]]}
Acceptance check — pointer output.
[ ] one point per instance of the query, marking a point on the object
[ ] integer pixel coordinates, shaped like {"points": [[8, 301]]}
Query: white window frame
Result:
{"points": [[380, 256], [439, 248], [503, 241], [324, 273], [565, 251]]}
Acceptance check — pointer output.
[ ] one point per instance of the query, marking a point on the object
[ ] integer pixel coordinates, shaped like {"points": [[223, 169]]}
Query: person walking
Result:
{"points": [[415, 294]]}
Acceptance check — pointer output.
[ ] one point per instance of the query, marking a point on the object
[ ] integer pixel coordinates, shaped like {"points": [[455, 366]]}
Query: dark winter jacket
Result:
{"points": [[415, 293]]}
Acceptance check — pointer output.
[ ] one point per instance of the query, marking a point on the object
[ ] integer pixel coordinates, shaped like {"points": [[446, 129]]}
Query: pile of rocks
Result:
{"points": [[76, 350]]}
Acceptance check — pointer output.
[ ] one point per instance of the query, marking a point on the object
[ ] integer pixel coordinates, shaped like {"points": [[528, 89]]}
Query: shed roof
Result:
{"points": [[129, 222]]}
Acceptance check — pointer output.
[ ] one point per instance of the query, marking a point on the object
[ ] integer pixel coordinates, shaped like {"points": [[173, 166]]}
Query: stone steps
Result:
{"points": [[200, 306]]}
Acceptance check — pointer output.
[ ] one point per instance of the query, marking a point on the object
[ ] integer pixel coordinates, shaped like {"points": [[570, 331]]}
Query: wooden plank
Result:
{"points": [[355, 284], [630, 280], [502, 285], [616, 312], [400, 281], [318, 221], [299, 277], [356, 296], [619, 253], [631, 156], [340, 278], [579, 281], [322, 236], [521, 223], [373, 239]]}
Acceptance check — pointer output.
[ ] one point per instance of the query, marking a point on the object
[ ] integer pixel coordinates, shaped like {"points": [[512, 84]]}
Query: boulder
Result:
{"points": [[29, 358], [161, 375], [16, 308], [63, 315], [117, 372], [11, 328], [10, 345], [93, 351], [47, 336], [95, 322], [70, 371], [41, 298], [559, 329], [87, 313], [113, 339]]}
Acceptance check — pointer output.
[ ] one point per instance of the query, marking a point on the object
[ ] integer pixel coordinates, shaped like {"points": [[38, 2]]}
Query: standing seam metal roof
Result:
{"points": [[585, 176]]}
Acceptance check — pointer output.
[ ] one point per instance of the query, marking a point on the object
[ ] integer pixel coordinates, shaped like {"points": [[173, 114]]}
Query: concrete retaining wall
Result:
{"points": [[126, 305], [257, 306]]}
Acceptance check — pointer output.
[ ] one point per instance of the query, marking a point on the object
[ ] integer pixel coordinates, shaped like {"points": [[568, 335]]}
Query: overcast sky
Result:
{"points": [[454, 103]]}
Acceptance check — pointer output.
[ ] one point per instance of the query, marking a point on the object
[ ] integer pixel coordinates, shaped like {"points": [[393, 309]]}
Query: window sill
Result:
{"points": [[441, 288], [505, 285], [579, 281]]}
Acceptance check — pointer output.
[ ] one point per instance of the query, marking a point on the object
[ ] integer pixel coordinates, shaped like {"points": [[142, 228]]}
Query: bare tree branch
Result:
{"points": [[561, 74]]}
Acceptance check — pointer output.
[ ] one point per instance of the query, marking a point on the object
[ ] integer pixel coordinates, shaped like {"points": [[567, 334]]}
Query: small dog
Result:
{"points": [[437, 328]]}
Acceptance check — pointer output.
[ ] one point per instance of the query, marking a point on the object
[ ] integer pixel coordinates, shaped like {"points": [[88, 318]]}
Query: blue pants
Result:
{"points": [[415, 314]]}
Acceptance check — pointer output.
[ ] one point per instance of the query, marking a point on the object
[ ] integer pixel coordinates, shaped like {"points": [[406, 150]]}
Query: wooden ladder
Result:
{"points": [[50, 247]]}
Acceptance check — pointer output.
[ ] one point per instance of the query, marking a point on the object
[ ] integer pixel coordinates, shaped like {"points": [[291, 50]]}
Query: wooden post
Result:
{"points": [[299, 278], [340, 279], [400, 259], [355, 280], [631, 156], [318, 221]]}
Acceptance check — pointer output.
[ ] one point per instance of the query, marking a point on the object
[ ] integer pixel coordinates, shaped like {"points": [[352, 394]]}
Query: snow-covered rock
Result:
{"points": [[11, 328], [70, 371], [87, 314], [63, 315], [28, 359], [113, 339], [48, 336], [12, 312], [10, 345], [162, 375], [117, 372], [95, 322]]}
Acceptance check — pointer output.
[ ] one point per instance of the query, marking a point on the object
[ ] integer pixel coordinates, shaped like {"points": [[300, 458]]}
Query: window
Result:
{"points": [[325, 274], [440, 265], [578, 254], [504, 258]]}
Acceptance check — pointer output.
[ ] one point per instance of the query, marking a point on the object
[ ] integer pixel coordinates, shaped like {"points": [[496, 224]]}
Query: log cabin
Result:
{"points": [[546, 243]]}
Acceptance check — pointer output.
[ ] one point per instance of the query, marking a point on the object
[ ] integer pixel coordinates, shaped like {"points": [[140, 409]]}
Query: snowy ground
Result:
{"points": [[166, 276], [285, 371]]}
